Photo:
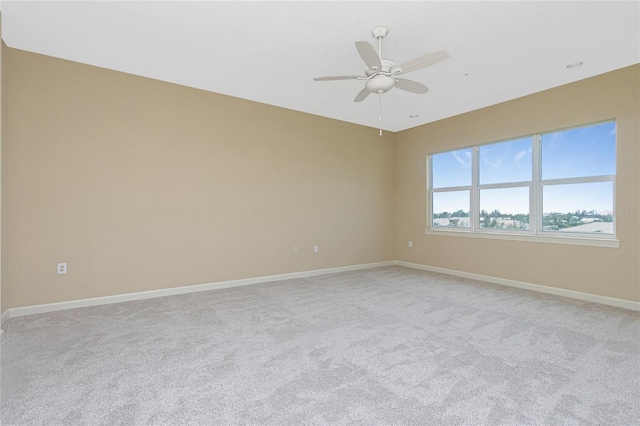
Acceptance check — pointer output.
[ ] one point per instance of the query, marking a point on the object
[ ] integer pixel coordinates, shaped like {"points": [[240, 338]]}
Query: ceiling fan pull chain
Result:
{"points": [[380, 112]]}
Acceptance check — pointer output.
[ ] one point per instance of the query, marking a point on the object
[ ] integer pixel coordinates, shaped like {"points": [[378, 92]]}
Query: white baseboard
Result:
{"points": [[611, 301], [128, 297]]}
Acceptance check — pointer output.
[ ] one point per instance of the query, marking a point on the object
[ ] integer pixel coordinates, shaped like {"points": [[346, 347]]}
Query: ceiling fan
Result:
{"points": [[381, 75]]}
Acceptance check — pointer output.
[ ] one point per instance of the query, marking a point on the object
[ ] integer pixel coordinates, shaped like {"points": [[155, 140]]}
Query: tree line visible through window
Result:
{"points": [[558, 182]]}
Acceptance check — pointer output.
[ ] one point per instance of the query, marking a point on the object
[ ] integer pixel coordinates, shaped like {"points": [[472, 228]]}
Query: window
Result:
{"points": [[452, 178], [558, 184], [578, 174]]}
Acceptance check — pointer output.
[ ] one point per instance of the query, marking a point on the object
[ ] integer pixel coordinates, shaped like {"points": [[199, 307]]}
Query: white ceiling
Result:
{"points": [[269, 52]]}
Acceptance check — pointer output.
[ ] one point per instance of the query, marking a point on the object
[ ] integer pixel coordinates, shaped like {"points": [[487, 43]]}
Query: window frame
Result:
{"points": [[535, 233]]}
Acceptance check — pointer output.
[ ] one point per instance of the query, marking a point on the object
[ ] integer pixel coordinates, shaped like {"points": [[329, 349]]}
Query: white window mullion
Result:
{"points": [[505, 185], [588, 179], [474, 210], [615, 220], [452, 189], [535, 195], [429, 199]]}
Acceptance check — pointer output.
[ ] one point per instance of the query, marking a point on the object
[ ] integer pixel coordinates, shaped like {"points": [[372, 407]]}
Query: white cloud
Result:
{"points": [[465, 163], [495, 164], [520, 155]]}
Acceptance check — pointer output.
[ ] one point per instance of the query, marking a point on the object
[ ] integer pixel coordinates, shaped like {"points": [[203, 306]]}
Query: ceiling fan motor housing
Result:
{"points": [[381, 82], [388, 67]]}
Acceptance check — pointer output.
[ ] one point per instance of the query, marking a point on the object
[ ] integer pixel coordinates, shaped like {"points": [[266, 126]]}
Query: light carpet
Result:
{"points": [[388, 345]]}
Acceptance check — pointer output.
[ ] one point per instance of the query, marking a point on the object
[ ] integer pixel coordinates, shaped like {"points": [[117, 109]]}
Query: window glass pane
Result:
{"points": [[451, 168], [451, 209], [579, 207], [506, 162], [586, 151], [505, 208]]}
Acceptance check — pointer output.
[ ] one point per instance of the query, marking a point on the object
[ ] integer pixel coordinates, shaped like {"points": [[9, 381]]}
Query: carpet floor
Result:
{"points": [[388, 345]]}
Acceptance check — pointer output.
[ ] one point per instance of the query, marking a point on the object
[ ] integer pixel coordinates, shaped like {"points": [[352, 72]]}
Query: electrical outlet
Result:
{"points": [[62, 268], [315, 249], [410, 244], [295, 250]]}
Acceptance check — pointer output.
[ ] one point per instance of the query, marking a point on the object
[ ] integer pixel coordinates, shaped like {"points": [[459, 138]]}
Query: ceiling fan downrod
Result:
{"points": [[380, 32]]}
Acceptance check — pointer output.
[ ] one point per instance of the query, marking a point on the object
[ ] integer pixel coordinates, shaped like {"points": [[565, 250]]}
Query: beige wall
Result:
{"points": [[139, 184], [601, 271]]}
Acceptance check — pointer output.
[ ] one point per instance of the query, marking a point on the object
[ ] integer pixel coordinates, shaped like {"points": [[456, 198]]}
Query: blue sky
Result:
{"points": [[581, 152]]}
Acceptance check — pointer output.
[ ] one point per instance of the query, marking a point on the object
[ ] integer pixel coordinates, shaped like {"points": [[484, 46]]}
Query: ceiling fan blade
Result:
{"points": [[369, 55], [411, 86], [339, 77], [424, 61], [363, 94]]}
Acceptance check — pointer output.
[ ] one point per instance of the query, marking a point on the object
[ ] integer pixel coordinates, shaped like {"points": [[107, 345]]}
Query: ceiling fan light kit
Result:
{"points": [[380, 84], [380, 74]]}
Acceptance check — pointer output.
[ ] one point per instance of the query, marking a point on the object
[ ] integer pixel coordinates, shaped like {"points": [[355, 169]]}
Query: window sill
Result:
{"points": [[551, 239]]}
